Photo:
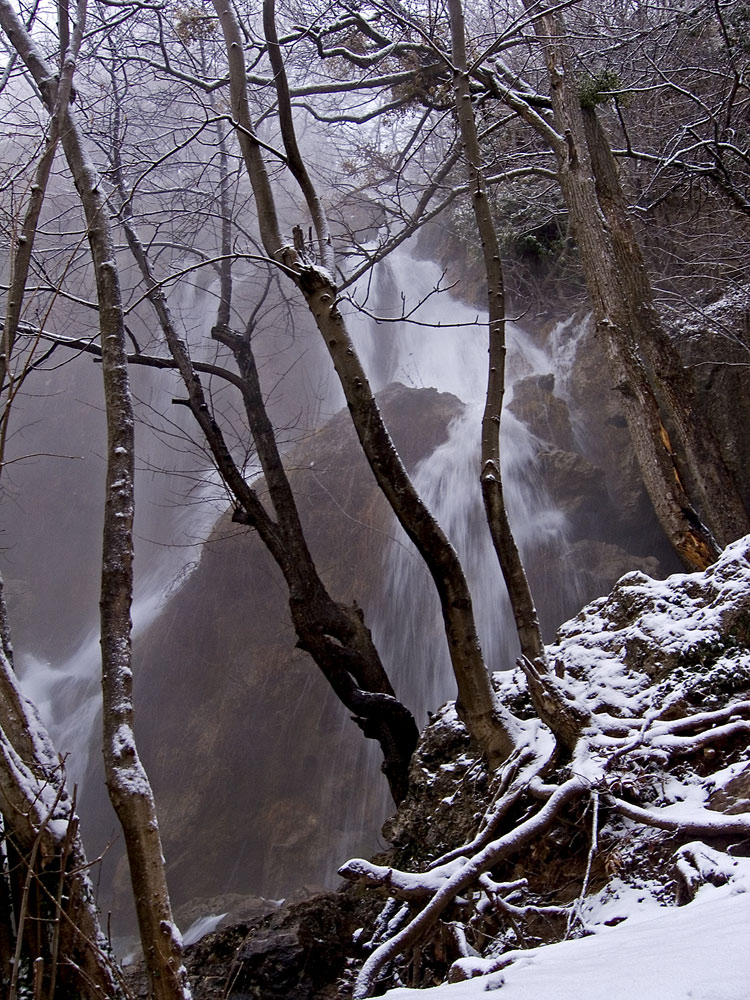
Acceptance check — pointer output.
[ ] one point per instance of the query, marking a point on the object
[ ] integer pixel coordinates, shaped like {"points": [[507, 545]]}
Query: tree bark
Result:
{"points": [[644, 366], [697, 452], [334, 634], [127, 783]]}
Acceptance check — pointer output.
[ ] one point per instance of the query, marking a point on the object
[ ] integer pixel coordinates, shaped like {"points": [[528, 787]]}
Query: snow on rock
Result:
{"points": [[690, 633], [663, 670]]}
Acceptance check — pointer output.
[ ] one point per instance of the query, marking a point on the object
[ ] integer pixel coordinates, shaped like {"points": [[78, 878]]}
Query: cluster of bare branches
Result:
{"points": [[300, 147]]}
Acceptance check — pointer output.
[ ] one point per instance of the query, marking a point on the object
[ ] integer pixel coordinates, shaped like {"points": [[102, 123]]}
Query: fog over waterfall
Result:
{"points": [[442, 346]]}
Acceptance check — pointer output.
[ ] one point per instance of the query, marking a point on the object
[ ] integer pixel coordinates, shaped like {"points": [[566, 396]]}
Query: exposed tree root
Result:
{"points": [[526, 808]]}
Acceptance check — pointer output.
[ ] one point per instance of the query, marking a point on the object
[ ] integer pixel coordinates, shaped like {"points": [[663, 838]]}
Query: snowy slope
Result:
{"points": [[697, 952], [654, 658]]}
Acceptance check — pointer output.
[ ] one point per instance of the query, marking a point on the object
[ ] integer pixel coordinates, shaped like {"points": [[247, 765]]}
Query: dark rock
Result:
{"points": [[299, 952], [447, 783], [606, 443], [235, 908], [715, 344], [599, 565], [544, 413], [579, 490], [734, 796]]}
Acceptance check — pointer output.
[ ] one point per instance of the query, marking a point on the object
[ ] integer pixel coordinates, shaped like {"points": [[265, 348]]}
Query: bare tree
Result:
{"points": [[333, 633], [488, 722], [406, 58], [127, 782], [678, 453], [564, 721]]}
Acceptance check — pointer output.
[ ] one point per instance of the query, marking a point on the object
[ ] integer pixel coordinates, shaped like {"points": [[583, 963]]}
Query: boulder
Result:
{"points": [[547, 415]]}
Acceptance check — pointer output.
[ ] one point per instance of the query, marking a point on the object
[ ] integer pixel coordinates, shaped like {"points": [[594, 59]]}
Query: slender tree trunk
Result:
{"points": [[487, 721], [127, 783], [20, 260], [564, 722], [334, 634]]}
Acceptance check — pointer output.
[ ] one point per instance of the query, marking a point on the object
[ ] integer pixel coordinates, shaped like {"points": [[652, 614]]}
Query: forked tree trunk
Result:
{"points": [[334, 634], [487, 721]]}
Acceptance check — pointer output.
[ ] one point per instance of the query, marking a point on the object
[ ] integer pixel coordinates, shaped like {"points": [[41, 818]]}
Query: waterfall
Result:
{"points": [[68, 693], [445, 347], [177, 503]]}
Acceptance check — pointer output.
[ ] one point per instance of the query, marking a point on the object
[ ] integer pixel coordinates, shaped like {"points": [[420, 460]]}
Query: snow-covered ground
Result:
{"points": [[654, 658], [696, 952]]}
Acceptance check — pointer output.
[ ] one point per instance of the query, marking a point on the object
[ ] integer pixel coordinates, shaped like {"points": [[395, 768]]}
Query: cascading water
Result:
{"points": [[447, 349], [68, 694]]}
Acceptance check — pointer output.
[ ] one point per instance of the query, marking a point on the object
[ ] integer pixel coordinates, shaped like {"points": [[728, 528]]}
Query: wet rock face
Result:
{"points": [[579, 490], [591, 476], [596, 564], [606, 445], [715, 344], [547, 415]]}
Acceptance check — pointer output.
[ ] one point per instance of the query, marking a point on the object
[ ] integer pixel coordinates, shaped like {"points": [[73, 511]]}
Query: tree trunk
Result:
{"points": [[697, 452], [334, 634], [127, 783], [643, 364], [487, 721]]}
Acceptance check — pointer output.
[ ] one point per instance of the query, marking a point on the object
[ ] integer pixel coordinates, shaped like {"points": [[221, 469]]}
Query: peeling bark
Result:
{"points": [[656, 393]]}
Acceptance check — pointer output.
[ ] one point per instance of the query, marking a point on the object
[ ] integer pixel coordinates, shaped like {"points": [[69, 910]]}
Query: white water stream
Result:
{"points": [[447, 349]]}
